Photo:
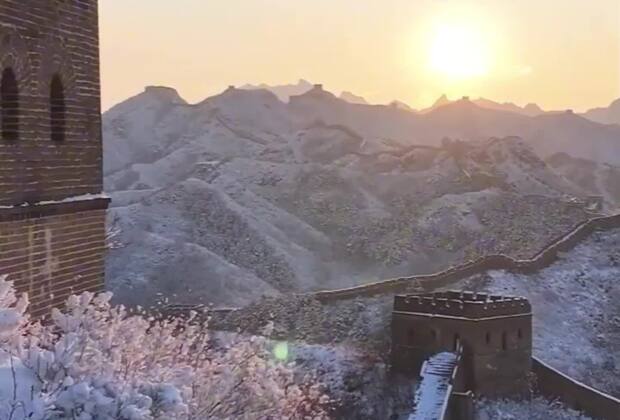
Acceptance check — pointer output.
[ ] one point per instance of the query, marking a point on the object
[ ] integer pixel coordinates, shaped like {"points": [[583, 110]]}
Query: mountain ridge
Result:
{"points": [[342, 191]]}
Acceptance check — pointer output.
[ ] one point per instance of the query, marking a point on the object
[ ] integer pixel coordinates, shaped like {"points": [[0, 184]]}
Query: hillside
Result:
{"points": [[574, 303], [605, 115], [243, 195]]}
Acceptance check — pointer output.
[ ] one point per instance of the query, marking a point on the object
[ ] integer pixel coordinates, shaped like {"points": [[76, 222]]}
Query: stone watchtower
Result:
{"points": [[52, 213], [495, 332]]}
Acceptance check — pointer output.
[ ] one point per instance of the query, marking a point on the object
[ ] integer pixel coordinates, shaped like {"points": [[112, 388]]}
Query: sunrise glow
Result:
{"points": [[413, 51], [459, 51]]}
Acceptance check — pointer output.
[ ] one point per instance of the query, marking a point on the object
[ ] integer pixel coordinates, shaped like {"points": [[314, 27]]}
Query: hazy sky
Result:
{"points": [[558, 53]]}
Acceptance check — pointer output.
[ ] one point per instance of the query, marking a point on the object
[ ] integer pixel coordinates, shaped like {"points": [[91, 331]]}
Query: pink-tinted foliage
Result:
{"points": [[97, 361]]}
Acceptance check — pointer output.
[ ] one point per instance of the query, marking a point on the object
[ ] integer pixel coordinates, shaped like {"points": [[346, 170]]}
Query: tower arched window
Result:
{"points": [[57, 109], [504, 340], [9, 105]]}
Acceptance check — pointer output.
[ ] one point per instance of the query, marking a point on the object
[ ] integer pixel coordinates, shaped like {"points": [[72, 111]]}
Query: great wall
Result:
{"points": [[549, 382], [45, 72], [543, 259], [439, 396]]}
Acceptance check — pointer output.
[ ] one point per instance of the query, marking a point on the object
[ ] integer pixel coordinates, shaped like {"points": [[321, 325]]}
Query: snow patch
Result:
{"points": [[76, 198]]}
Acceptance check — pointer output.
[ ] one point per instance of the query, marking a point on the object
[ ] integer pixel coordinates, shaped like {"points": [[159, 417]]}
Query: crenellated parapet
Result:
{"points": [[495, 332], [469, 305]]}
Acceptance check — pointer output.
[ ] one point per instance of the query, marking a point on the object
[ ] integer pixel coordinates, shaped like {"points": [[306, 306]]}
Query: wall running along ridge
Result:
{"points": [[541, 260], [554, 384], [550, 382]]}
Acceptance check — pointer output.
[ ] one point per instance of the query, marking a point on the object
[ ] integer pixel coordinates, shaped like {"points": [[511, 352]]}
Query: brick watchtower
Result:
{"points": [[495, 331], [52, 213]]}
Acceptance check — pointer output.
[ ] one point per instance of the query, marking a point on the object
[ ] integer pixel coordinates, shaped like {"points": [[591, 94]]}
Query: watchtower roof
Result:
{"points": [[469, 305]]}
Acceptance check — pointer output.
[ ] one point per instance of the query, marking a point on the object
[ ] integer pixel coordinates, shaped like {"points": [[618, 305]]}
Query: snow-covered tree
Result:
{"points": [[98, 361]]}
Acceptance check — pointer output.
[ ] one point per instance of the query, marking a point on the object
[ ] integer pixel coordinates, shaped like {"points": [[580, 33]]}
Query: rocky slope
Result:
{"points": [[576, 310], [243, 195]]}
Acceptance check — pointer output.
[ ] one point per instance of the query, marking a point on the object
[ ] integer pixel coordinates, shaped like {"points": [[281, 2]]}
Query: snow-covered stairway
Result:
{"points": [[433, 393]]}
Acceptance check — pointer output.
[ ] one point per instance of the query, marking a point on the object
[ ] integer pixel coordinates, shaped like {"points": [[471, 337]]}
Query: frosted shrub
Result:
{"points": [[97, 361]]}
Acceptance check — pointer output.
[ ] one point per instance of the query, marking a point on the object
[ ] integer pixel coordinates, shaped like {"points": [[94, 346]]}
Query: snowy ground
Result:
{"points": [[17, 383], [537, 409], [576, 306], [365, 390], [243, 194], [361, 385]]}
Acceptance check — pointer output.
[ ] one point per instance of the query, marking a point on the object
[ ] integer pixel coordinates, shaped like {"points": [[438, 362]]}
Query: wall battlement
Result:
{"points": [[462, 304], [494, 331]]}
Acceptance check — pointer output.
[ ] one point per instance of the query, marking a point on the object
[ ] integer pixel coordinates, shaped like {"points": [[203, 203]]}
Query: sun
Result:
{"points": [[459, 51]]}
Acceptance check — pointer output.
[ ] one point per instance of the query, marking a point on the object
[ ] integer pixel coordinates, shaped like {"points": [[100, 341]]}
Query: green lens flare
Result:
{"points": [[280, 351]]}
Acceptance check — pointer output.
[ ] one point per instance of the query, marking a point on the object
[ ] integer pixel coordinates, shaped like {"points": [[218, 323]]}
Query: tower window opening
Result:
{"points": [[457, 341], [488, 338], [9, 105], [519, 334], [504, 340], [57, 109]]}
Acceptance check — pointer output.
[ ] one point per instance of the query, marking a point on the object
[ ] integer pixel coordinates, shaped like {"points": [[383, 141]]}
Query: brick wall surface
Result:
{"points": [[50, 50], [40, 39], [51, 257], [497, 351]]}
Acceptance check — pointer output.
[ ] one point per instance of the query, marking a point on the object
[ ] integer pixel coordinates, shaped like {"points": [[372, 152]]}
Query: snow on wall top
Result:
{"points": [[433, 393]]}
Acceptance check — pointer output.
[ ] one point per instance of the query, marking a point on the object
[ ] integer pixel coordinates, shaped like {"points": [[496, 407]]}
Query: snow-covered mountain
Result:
{"points": [[244, 195], [576, 324], [285, 92]]}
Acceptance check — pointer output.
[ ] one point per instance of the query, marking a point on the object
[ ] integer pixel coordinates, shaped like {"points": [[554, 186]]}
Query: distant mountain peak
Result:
{"points": [[164, 93], [401, 105], [441, 101], [304, 82], [529, 110], [605, 115], [283, 92], [317, 91], [533, 108], [352, 98]]}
